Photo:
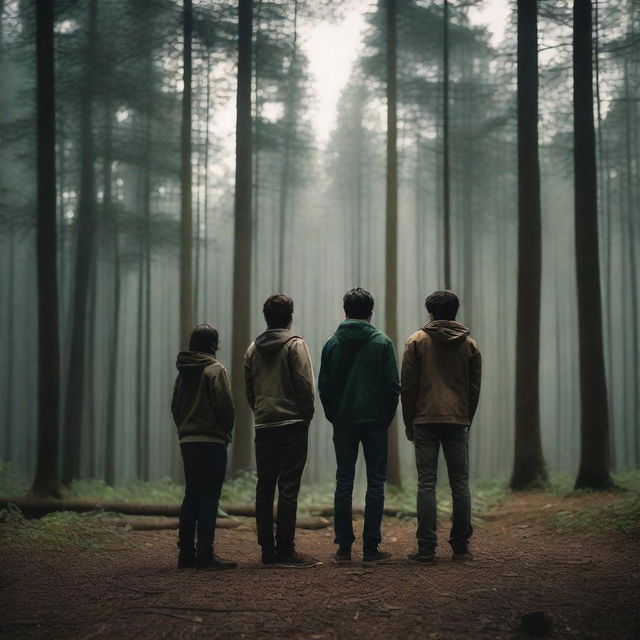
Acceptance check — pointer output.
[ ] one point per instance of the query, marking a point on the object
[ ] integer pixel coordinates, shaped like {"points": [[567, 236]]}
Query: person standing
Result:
{"points": [[279, 388], [203, 413], [359, 388], [440, 381]]}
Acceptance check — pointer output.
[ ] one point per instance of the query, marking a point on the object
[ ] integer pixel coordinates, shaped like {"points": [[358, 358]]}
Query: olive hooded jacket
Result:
{"points": [[440, 378]]}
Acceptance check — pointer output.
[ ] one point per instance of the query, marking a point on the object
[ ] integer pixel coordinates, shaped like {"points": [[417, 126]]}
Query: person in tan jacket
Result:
{"points": [[440, 389], [279, 387]]}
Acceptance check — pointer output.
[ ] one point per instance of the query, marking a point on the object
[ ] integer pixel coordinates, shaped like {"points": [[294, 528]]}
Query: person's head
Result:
{"points": [[204, 338], [278, 311], [358, 304], [442, 305]]}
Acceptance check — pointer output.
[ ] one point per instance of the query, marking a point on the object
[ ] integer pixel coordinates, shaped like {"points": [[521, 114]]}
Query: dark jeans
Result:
{"points": [[281, 453], [205, 464], [455, 445], [346, 440]]}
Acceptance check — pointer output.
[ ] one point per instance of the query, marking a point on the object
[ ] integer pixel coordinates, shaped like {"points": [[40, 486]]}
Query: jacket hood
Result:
{"points": [[193, 361], [448, 332], [355, 332], [272, 340]]}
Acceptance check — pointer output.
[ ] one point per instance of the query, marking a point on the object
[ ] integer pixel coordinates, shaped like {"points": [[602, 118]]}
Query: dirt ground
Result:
{"points": [[588, 584]]}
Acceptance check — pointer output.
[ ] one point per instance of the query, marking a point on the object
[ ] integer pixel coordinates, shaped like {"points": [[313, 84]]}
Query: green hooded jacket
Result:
{"points": [[358, 380], [202, 406]]}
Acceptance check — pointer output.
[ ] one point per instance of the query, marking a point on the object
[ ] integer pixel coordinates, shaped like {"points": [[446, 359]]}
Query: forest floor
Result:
{"points": [[536, 552]]}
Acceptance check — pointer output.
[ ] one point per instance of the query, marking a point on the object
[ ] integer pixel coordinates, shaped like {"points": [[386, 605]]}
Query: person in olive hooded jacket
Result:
{"points": [[359, 387], [441, 371], [279, 388], [203, 412]]}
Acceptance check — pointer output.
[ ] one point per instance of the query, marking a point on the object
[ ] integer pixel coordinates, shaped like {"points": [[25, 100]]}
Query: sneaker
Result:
{"points": [[295, 560], [462, 556], [215, 563], [422, 557], [186, 561], [375, 557], [343, 556], [268, 557]]}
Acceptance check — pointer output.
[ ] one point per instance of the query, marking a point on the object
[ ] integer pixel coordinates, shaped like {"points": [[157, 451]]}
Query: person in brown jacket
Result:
{"points": [[279, 388], [440, 389]]}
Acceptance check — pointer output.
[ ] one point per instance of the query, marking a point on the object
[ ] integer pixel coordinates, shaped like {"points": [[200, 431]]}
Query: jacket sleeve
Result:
{"points": [[175, 399], [475, 375], [324, 383], [302, 377], [248, 379], [222, 401], [390, 381], [409, 383]]}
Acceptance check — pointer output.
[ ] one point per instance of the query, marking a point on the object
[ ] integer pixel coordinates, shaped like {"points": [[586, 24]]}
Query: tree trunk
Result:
{"points": [[528, 463], [391, 245], [186, 225], [85, 242], [46, 482], [594, 471], [445, 159], [242, 240]]}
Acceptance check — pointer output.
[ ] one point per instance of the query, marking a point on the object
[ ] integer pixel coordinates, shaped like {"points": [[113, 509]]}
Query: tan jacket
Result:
{"points": [[440, 377], [278, 379]]}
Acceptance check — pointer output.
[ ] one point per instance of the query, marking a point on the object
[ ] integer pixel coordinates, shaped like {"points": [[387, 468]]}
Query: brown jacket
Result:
{"points": [[278, 379], [440, 377]]}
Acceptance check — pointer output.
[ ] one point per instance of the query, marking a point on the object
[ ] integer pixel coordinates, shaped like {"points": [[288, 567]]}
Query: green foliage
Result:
{"points": [[164, 491], [11, 484], [57, 530]]}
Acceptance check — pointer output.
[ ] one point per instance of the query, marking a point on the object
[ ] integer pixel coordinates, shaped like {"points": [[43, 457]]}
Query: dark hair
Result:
{"points": [[278, 310], [204, 338], [358, 304], [443, 305]]}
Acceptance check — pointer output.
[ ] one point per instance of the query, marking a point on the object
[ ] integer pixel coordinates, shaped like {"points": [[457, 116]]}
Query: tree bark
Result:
{"points": [[47, 481], [446, 214], [528, 463], [391, 246], [242, 240], [85, 246], [594, 471], [186, 214]]}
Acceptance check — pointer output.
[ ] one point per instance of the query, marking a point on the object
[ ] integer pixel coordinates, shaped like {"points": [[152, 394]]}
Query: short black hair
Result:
{"points": [[443, 305], [358, 304], [278, 311], [204, 338]]}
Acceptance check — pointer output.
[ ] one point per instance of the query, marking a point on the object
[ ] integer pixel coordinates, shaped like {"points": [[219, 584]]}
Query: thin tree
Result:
{"points": [[528, 463], [242, 239], [85, 246], [46, 482], [446, 213], [391, 241], [186, 214], [594, 471]]}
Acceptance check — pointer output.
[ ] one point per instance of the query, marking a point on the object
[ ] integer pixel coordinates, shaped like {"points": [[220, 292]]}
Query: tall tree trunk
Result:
{"points": [[46, 482], [186, 225], [594, 471], [445, 159], [242, 240], [85, 242], [528, 463], [205, 278], [391, 244]]}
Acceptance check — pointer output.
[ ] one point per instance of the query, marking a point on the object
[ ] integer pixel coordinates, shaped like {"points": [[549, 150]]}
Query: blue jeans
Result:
{"points": [[455, 445], [346, 440], [205, 464]]}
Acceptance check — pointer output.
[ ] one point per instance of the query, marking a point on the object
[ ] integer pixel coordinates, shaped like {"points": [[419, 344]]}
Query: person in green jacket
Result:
{"points": [[359, 388], [203, 413]]}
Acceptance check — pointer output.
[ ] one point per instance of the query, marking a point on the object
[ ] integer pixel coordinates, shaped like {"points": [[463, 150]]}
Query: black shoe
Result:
{"points": [[462, 556], [268, 557], [295, 560], [371, 556], [215, 563], [343, 556], [186, 561], [422, 557]]}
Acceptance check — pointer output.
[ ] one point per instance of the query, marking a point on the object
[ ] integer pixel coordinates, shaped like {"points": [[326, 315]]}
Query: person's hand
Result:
{"points": [[409, 431]]}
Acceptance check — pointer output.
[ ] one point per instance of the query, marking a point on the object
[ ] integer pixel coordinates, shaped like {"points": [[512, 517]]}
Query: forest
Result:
{"points": [[166, 163]]}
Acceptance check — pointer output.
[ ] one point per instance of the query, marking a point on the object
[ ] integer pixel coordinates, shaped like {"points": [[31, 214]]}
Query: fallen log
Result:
{"points": [[159, 524]]}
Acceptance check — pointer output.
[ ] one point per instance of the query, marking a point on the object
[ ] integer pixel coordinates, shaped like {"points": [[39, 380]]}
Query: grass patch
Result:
{"points": [[59, 530]]}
